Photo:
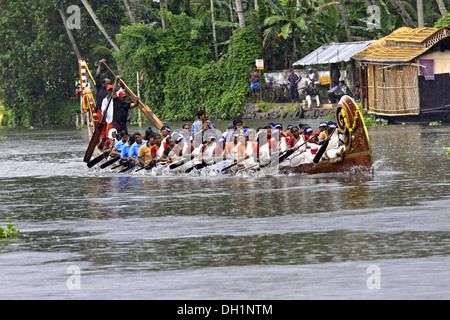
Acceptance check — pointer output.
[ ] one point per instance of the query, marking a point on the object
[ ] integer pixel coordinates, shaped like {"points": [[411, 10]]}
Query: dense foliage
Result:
{"points": [[442, 22], [35, 81], [171, 49]]}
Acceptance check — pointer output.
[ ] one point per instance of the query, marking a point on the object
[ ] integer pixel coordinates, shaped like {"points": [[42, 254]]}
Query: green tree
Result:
{"points": [[442, 22], [36, 72], [179, 70]]}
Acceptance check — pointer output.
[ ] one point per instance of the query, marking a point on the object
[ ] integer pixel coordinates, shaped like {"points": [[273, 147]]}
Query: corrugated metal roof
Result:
{"points": [[402, 45], [333, 53]]}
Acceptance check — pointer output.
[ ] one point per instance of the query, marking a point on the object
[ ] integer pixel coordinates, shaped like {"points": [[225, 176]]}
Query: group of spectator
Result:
{"points": [[338, 88]]}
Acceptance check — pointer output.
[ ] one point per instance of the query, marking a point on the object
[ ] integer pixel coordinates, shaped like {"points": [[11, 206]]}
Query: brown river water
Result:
{"points": [[96, 234]]}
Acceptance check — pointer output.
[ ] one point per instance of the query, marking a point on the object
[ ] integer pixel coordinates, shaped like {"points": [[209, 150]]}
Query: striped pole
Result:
{"points": [[83, 77]]}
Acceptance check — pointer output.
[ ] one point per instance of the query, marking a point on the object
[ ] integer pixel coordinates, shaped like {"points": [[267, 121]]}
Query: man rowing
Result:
{"points": [[264, 154], [166, 156], [145, 152], [125, 154], [134, 150], [298, 143], [157, 146], [336, 143], [208, 149], [112, 140], [165, 132], [118, 146], [161, 142], [250, 149], [323, 132]]}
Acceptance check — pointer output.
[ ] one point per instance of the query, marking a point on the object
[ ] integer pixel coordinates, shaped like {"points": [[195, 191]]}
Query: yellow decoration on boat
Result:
{"points": [[88, 100], [89, 73], [355, 121]]}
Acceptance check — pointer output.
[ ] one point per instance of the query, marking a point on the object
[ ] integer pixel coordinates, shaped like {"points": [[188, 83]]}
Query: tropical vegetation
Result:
{"points": [[10, 231], [176, 54]]}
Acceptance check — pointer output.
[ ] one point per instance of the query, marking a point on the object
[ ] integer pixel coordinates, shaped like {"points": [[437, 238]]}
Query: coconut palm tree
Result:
{"points": [[240, 12], [163, 18], [70, 34], [344, 16], [442, 8], [403, 13], [420, 22], [213, 20], [130, 11], [100, 25]]}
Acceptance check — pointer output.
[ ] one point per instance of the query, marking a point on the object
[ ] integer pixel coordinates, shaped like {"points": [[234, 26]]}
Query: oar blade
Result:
{"points": [[178, 163], [150, 165], [322, 149], [109, 162], [128, 167], [96, 160], [93, 142], [320, 152]]}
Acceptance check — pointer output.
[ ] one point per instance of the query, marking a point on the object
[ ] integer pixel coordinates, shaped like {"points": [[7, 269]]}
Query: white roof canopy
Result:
{"points": [[333, 53]]}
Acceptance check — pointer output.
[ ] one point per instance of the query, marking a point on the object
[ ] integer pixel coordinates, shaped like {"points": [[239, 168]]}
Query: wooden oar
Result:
{"points": [[178, 163], [144, 109], [121, 163], [289, 152], [232, 165], [272, 159], [129, 165], [256, 165], [197, 166], [96, 160], [322, 149], [109, 162], [147, 167], [116, 166], [151, 165], [96, 135]]}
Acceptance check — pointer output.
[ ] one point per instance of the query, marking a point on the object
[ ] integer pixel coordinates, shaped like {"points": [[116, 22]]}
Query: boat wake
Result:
{"points": [[216, 170]]}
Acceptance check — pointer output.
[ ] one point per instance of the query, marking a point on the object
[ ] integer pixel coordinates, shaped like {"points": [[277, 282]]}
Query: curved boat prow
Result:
{"points": [[357, 156], [350, 122]]}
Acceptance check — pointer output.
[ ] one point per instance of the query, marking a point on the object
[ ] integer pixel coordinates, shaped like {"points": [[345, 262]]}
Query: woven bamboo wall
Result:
{"points": [[393, 90]]}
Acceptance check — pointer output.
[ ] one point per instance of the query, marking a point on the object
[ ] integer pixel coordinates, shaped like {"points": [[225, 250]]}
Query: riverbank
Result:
{"points": [[264, 110]]}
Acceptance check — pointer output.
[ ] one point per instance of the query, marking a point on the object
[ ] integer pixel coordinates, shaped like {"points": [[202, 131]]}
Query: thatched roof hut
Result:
{"points": [[407, 73]]}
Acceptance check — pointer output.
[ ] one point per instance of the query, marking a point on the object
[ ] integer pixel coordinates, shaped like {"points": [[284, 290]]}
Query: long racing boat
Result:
{"points": [[355, 154]]}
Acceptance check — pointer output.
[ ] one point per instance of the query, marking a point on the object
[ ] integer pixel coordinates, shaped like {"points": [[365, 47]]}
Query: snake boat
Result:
{"points": [[357, 156]]}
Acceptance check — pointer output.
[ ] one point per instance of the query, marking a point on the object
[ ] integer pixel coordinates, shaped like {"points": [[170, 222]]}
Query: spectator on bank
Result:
{"points": [[293, 80], [357, 94], [311, 93], [311, 77], [344, 89], [255, 77], [335, 74], [334, 94]]}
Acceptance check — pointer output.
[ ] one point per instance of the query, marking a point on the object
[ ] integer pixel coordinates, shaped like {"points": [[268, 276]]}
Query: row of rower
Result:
{"points": [[240, 145]]}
